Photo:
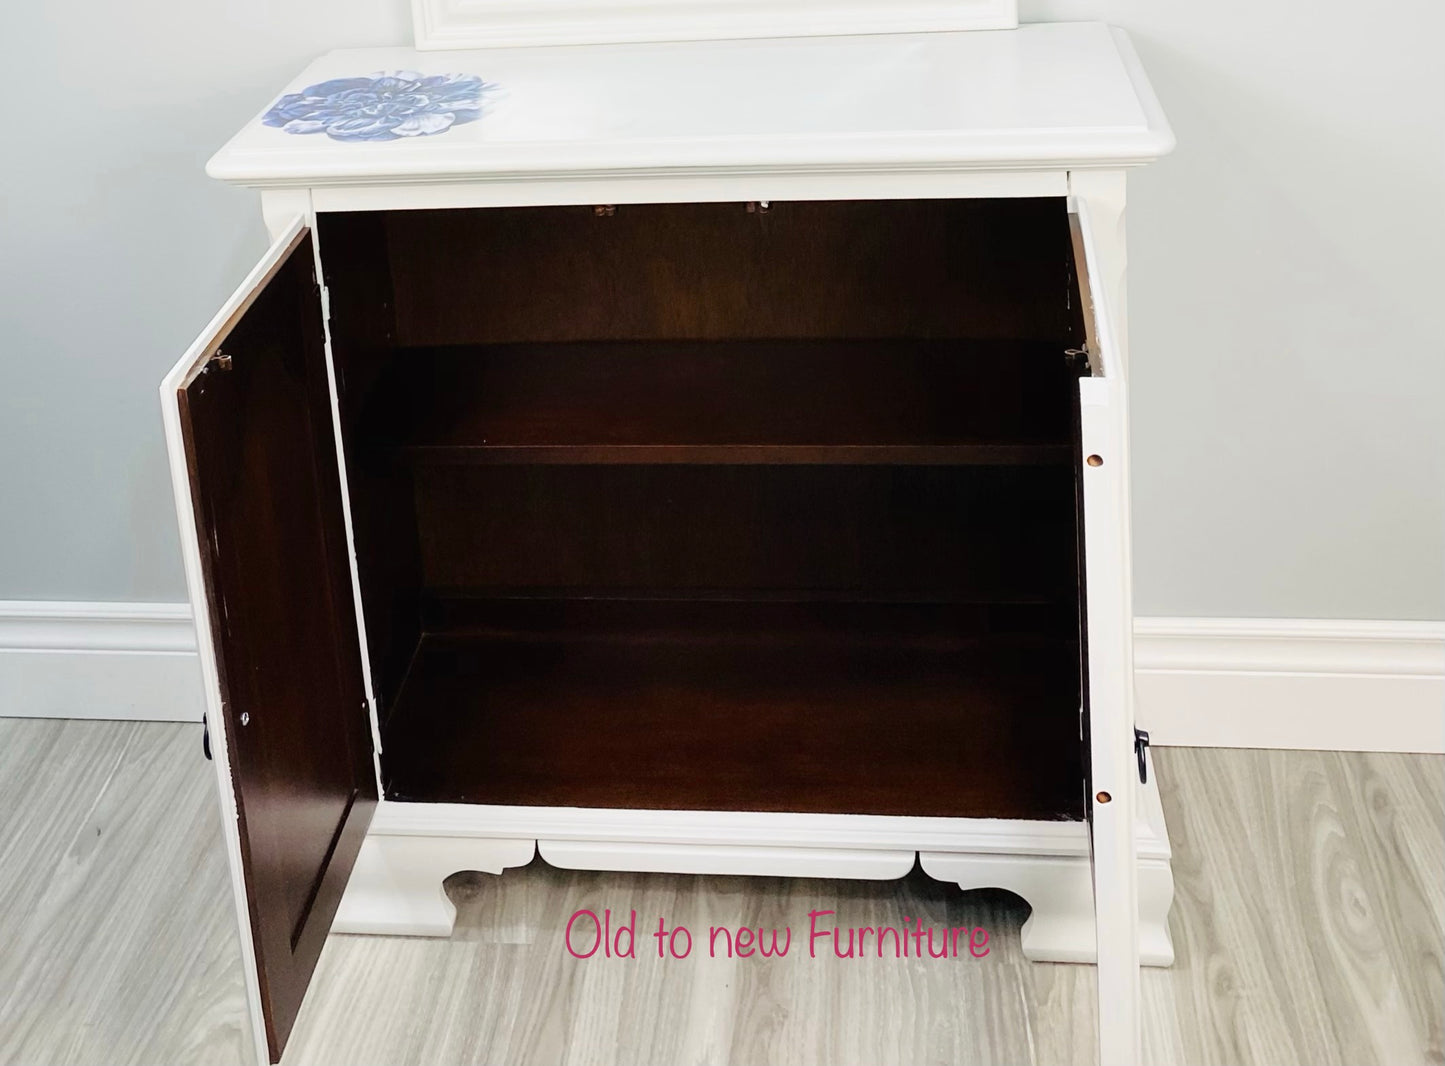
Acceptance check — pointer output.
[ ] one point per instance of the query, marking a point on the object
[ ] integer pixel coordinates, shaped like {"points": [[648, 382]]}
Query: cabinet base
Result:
{"points": [[396, 886], [1060, 891]]}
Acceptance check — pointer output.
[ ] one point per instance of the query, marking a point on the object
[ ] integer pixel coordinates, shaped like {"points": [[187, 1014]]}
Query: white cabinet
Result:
{"points": [[707, 456]]}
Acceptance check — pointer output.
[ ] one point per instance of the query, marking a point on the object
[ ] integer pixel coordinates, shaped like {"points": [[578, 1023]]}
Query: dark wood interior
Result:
{"points": [[261, 451], [866, 708], [947, 402], [699, 507]]}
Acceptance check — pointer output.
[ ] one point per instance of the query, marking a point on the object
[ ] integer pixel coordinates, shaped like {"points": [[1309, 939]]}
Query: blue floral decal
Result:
{"points": [[382, 107]]}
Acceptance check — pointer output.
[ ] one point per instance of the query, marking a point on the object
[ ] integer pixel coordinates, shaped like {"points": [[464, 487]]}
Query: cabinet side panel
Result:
{"points": [[363, 334]]}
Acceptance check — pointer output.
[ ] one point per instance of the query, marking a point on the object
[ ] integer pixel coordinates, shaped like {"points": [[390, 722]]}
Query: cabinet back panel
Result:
{"points": [[974, 533], [987, 269]]}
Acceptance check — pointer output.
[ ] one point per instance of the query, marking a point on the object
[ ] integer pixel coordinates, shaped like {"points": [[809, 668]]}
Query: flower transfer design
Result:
{"points": [[385, 106]]}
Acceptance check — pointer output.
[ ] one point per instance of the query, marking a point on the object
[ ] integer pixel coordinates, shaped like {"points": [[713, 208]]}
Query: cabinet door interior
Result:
{"points": [[254, 413], [711, 506]]}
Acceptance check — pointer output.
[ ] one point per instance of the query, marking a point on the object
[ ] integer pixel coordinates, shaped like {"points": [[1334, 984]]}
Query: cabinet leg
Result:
{"points": [[396, 886], [1156, 896], [1060, 891]]}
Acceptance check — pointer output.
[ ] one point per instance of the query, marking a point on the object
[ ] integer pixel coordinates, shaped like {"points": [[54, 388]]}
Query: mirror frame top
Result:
{"points": [[442, 24]]}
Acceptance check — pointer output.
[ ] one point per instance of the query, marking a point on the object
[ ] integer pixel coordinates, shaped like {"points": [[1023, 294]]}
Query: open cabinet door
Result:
{"points": [[253, 458], [1107, 658]]}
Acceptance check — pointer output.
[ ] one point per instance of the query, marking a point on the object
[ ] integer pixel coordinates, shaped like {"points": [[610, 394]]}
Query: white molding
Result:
{"points": [[761, 829], [126, 661], [1324, 684], [445, 24], [412, 847], [718, 187]]}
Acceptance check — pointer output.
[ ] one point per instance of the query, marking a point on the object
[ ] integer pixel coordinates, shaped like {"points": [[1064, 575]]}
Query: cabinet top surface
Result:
{"points": [[1045, 95]]}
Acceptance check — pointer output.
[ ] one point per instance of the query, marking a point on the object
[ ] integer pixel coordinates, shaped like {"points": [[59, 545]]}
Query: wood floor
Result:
{"points": [[1308, 923]]}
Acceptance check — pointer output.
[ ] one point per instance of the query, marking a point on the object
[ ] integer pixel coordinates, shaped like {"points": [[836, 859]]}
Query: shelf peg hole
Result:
{"points": [[1095, 460], [1103, 797]]}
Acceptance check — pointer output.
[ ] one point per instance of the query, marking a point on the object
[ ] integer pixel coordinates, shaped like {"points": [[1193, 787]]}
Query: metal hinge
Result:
{"points": [[1141, 748], [1078, 359], [219, 361], [205, 738]]}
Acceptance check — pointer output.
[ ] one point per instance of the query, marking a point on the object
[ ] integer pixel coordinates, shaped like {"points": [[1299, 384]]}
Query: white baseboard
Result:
{"points": [[130, 661], [1291, 683], [1202, 682]]}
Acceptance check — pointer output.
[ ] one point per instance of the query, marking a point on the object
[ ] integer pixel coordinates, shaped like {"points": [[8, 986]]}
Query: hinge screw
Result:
{"points": [[245, 717]]}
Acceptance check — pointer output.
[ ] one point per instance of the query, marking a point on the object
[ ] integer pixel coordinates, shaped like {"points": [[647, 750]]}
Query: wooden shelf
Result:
{"points": [[735, 402], [861, 708]]}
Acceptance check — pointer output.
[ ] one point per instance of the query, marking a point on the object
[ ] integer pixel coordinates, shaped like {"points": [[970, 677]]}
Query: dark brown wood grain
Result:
{"points": [[268, 510], [856, 708], [835, 401], [798, 482], [928, 532], [982, 269], [363, 334]]}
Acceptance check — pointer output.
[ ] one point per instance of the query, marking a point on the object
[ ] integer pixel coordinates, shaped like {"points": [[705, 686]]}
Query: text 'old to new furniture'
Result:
{"points": [[687, 436]]}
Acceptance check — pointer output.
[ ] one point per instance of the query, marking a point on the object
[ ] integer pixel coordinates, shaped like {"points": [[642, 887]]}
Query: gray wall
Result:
{"points": [[116, 250], [1289, 381], [1285, 292]]}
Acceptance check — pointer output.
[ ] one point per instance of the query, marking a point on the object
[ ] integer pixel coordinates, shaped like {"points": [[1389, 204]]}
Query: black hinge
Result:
{"points": [[205, 737], [1141, 747]]}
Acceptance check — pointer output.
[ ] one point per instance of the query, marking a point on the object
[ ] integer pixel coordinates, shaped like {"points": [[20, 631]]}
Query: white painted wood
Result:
{"points": [[1061, 894], [396, 887], [121, 661], [1292, 683], [1097, 200], [195, 583], [281, 207], [1052, 96], [855, 863], [764, 829], [1045, 862], [1060, 891], [1154, 861], [1060, 888], [1290, 645], [65, 626], [695, 188], [511, 23]]}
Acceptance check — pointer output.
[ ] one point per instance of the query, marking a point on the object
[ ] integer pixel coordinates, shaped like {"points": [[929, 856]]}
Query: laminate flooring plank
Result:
{"points": [[120, 942], [1309, 925], [1307, 916]]}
